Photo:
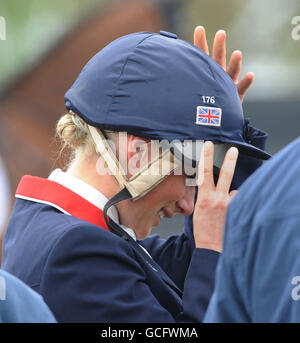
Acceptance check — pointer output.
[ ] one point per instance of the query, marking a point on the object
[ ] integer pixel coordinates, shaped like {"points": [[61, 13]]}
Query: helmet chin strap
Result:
{"points": [[122, 195], [139, 184]]}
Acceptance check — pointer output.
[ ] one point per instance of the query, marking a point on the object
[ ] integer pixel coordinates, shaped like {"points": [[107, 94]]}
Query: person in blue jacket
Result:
{"points": [[20, 304], [139, 113], [258, 275]]}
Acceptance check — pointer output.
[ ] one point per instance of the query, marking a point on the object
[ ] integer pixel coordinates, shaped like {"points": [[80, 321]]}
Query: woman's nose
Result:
{"points": [[186, 203]]}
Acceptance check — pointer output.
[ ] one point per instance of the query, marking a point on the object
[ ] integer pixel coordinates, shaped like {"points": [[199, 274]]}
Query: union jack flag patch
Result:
{"points": [[210, 116]]}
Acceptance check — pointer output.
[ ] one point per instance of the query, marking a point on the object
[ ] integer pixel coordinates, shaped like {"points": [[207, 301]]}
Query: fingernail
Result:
{"points": [[233, 152], [200, 27], [221, 31], [238, 51], [208, 144]]}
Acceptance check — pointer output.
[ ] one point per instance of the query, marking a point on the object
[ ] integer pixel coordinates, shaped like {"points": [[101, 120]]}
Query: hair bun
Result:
{"points": [[72, 130]]}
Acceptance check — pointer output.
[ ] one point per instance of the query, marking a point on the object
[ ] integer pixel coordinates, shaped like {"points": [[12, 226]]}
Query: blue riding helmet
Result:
{"points": [[160, 87]]}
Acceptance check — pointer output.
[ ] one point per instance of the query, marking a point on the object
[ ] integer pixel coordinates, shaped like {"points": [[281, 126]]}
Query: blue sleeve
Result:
{"points": [[200, 281], [173, 254], [260, 281], [20, 304], [227, 303], [92, 278], [273, 262], [229, 299]]}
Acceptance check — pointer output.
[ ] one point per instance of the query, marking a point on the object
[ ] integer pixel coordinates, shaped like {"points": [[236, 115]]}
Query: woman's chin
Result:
{"points": [[157, 221], [143, 233]]}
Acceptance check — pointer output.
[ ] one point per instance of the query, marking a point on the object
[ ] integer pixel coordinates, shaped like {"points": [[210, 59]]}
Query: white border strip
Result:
{"points": [[42, 202]]}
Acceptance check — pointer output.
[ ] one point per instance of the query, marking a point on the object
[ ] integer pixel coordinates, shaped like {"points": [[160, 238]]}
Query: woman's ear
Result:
{"points": [[138, 152]]}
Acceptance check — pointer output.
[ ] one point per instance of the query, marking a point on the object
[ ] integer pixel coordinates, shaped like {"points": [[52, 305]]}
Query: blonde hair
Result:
{"points": [[74, 134]]}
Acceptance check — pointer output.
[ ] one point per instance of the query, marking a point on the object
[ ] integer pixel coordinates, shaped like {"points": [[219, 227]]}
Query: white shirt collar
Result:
{"points": [[89, 193]]}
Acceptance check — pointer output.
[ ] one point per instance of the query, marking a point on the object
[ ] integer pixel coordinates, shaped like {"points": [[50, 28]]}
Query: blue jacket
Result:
{"points": [[258, 275], [88, 274], [20, 304]]}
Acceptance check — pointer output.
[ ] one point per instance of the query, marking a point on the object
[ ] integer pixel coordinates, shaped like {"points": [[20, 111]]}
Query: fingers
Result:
{"points": [[244, 84], [227, 171], [200, 39], [234, 69], [234, 66], [219, 48], [206, 166], [211, 205]]}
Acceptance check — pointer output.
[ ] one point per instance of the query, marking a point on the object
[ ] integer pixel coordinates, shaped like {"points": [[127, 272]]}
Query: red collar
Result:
{"points": [[48, 192]]}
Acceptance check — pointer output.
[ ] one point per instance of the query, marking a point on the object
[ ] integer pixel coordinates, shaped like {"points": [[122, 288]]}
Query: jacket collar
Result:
{"points": [[83, 189], [69, 182], [89, 193], [48, 192]]}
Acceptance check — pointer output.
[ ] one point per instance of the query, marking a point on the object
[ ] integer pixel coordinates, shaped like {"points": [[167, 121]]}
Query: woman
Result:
{"points": [[87, 228]]}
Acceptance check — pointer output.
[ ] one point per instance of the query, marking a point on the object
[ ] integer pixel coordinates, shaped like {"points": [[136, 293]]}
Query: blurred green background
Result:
{"points": [[261, 29]]}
